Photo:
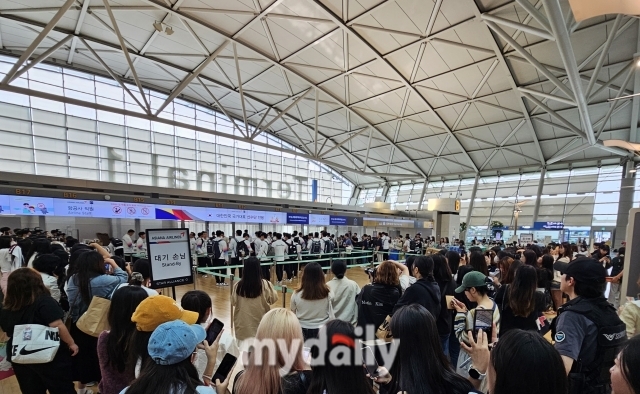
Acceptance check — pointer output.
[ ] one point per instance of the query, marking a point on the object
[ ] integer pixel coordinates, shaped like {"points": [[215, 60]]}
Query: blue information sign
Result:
{"points": [[548, 225], [297, 218], [338, 220]]}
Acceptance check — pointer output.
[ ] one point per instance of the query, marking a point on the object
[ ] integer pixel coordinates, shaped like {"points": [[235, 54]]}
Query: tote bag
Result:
{"points": [[94, 320], [34, 344]]}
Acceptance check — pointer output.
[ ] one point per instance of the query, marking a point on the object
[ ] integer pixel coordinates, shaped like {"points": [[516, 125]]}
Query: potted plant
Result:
{"points": [[496, 224], [463, 230]]}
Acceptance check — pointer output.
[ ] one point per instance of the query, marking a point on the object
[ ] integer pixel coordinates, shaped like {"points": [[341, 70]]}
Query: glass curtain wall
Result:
{"points": [[45, 137], [582, 197]]}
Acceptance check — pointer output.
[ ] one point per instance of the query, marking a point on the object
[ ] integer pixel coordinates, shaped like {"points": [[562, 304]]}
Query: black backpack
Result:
{"points": [[292, 249], [213, 248], [315, 246], [612, 334], [412, 245], [241, 249], [329, 246], [116, 242]]}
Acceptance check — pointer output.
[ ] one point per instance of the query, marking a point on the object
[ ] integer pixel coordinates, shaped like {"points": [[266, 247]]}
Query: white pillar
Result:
{"points": [[473, 197], [536, 208]]}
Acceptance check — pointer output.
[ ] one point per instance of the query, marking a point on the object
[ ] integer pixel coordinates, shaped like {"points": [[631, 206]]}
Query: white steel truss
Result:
{"points": [[377, 93]]}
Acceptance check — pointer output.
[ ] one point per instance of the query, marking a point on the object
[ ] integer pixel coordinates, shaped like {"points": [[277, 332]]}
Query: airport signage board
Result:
{"points": [[169, 253], [297, 218], [381, 222], [548, 226], [338, 220]]}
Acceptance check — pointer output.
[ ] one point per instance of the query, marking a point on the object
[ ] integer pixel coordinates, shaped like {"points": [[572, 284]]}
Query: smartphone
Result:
{"points": [[214, 330], [306, 354], [369, 361], [483, 320], [107, 266], [225, 367]]}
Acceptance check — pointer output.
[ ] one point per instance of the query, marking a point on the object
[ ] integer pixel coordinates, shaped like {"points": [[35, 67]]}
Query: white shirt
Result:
{"points": [[51, 283], [344, 293], [193, 243], [385, 242], [233, 246], [312, 313], [127, 244], [141, 245], [280, 247], [407, 245], [261, 248], [201, 246]]}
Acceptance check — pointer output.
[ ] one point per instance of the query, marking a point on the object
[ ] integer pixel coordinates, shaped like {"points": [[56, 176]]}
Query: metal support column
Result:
{"points": [[633, 132], [424, 192], [473, 197], [556, 20], [627, 191], [536, 208], [385, 191], [137, 226]]}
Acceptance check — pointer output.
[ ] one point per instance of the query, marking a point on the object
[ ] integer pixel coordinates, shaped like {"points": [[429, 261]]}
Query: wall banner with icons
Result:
{"points": [[169, 253]]}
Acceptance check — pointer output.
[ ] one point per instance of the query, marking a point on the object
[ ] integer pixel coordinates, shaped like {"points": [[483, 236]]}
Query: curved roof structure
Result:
{"points": [[380, 90]]}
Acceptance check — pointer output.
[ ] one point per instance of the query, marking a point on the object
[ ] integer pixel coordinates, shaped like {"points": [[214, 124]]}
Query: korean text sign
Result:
{"points": [[170, 257]]}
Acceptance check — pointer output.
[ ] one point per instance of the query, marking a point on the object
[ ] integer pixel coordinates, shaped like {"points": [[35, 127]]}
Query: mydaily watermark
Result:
{"points": [[338, 350]]}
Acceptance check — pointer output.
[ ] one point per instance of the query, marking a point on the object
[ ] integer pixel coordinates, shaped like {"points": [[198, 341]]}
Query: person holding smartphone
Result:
{"points": [[209, 358], [90, 280], [474, 286], [172, 347]]}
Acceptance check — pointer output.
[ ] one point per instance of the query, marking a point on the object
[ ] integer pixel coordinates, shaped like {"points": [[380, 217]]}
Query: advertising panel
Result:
{"points": [[5, 205], [319, 220], [33, 206]]}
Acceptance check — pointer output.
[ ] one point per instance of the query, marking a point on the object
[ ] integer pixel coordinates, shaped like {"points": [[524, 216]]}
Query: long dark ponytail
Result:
{"points": [[166, 379]]}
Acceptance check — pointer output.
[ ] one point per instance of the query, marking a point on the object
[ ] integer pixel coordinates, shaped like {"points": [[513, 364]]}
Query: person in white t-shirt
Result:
{"points": [[141, 243], [192, 242], [280, 248], [406, 246], [262, 247], [217, 258], [128, 245], [385, 246]]}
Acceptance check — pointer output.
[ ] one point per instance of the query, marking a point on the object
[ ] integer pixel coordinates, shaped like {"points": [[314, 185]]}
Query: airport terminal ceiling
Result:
{"points": [[380, 91]]}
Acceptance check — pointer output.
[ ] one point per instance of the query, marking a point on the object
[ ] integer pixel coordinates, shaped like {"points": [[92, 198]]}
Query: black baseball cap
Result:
{"points": [[584, 270]]}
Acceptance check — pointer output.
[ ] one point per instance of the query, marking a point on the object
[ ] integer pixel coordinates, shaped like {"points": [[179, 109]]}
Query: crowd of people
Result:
{"points": [[444, 322]]}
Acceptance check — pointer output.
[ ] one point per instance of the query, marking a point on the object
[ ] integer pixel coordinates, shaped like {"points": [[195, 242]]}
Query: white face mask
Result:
{"points": [[495, 259]]}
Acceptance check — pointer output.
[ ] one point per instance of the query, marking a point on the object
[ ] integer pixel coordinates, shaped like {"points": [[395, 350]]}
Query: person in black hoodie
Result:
{"points": [[444, 321], [376, 300], [425, 291]]}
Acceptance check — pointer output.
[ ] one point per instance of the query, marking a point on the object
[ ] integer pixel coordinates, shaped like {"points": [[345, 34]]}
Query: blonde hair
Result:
{"points": [[262, 376]]}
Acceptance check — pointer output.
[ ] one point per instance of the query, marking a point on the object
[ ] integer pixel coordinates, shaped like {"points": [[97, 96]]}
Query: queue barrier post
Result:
{"points": [[231, 278], [194, 269], [284, 296]]}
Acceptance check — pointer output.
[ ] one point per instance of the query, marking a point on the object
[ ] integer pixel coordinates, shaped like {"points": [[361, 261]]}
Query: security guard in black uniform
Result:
{"points": [[587, 331]]}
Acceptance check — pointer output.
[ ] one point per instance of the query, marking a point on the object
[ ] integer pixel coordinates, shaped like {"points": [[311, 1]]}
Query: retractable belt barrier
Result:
{"points": [[271, 262]]}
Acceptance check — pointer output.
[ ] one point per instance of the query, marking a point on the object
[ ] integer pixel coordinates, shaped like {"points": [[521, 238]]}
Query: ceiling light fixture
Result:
{"points": [[158, 26], [169, 30]]}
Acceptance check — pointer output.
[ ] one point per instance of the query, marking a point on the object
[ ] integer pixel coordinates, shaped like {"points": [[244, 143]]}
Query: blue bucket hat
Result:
{"points": [[174, 342]]}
